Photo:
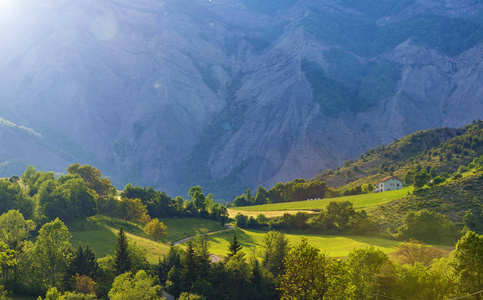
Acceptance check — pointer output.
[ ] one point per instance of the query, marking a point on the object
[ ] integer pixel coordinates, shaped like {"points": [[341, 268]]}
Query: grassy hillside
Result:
{"points": [[363, 201], [454, 198], [334, 246], [445, 149], [101, 234]]}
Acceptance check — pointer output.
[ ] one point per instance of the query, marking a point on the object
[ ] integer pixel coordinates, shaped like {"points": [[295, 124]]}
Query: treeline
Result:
{"points": [[83, 192], [160, 205], [41, 197], [296, 190], [338, 217]]}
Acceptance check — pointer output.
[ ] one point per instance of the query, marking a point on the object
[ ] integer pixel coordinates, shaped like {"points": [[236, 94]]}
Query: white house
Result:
{"points": [[388, 184]]}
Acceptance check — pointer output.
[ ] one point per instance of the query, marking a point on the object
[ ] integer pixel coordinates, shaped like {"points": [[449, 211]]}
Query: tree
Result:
{"points": [[122, 258], [198, 198], [310, 274], [83, 284], [14, 229], [133, 210], [93, 178], [276, 248], [415, 251], [108, 207], [427, 226], [190, 267], [190, 296], [467, 261], [365, 264], [52, 252], [138, 287], [421, 178], [241, 220], [83, 263], [54, 294], [234, 247], [7, 257], [156, 229], [340, 213], [13, 197], [262, 196], [409, 178]]}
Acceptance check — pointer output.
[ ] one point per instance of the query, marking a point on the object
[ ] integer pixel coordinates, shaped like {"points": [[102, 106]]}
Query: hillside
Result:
{"points": [[229, 94], [445, 149], [453, 198]]}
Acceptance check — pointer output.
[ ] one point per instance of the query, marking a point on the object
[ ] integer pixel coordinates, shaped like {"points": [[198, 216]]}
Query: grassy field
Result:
{"points": [[101, 234], [360, 202], [334, 246]]}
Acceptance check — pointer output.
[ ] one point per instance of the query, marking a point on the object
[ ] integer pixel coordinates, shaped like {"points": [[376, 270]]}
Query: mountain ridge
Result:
{"points": [[213, 93]]}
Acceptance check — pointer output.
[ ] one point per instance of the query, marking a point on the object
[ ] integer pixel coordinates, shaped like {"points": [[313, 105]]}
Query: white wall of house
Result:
{"points": [[388, 185]]}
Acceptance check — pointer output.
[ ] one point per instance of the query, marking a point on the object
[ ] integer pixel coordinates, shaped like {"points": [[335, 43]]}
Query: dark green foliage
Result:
{"points": [[67, 198], [468, 263], [262, 196], [122, 258], [421, 178], [296, 190], [83, 263], [471, 221], [366, 265], [429, 227], [13, 197], [276, 247], [340, 213], [93, 178], [234, 247]]}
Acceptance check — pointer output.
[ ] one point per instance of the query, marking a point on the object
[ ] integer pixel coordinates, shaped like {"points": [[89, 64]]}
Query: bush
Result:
{"points": [[429, 227], [241, 220], [463, 169]]}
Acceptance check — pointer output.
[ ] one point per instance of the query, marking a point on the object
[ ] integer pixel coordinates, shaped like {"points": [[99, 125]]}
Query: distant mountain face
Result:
{"points": [[229, 94]]}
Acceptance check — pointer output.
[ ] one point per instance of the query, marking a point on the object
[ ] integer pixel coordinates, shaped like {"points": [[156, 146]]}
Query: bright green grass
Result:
{"points": [[334, 246], [360, 202], [101, 234]]}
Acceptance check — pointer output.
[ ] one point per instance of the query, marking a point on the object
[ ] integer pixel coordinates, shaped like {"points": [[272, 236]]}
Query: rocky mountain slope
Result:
{"points": [[229, 94]]}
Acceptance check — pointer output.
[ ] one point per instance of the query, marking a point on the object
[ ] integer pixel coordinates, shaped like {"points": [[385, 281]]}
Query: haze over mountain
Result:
{"points": [[229, 94]]}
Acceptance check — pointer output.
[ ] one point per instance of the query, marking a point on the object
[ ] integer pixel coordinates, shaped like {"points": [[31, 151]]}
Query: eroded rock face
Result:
{"points": [[179, 93]]}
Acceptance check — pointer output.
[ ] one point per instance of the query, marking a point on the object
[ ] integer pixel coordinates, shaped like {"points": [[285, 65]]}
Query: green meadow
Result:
{"points": [[334, 246], [101, 234], [363, 201]]}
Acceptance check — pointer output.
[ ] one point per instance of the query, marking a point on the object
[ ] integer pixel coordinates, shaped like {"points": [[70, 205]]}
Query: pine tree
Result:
{"points": [[83, 263], [122, 259], [190, 269], [234, 247]]}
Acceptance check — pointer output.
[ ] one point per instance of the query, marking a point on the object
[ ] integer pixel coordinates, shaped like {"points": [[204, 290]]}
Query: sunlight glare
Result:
{"points": [[7, 8]]}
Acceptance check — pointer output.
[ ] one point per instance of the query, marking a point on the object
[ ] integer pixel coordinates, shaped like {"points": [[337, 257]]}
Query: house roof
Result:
{"points": [[387, 178]]}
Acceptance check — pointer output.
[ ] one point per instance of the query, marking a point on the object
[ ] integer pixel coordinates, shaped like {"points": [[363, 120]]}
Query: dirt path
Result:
{"points": [[208, 233]]}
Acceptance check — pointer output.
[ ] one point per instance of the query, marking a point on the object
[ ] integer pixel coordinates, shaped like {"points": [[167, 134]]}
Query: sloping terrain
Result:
{"points": [[229, 94]]}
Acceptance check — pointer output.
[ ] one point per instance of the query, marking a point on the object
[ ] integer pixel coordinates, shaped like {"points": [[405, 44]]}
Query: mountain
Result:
{"points": [[229, 94]]}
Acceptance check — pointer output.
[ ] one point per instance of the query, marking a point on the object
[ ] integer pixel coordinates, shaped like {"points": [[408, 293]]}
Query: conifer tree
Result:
{"points": [[122, 259], [234, 247], [190, 270]]}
